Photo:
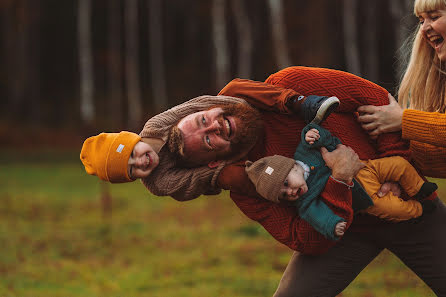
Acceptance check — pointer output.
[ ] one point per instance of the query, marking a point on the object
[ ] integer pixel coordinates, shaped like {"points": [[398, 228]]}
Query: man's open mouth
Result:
{"points": [[228, 127]]}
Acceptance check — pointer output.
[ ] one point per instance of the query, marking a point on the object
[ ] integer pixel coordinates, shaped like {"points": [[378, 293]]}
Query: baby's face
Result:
{"points": [[294, 185], [142, 161]]}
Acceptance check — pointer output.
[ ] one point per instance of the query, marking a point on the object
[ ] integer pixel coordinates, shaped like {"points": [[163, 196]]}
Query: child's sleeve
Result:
{"points": [[325, 140], [321, 217]]}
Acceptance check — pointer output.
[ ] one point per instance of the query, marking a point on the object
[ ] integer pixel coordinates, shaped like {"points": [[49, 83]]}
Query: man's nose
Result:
{"points": [[214, 127], [289, 191]]}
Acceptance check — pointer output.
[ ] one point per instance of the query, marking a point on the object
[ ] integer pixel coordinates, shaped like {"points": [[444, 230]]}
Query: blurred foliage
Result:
{"points": [[58, 239]]}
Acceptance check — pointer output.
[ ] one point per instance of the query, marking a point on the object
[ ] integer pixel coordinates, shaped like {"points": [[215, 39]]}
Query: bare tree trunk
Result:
{"points": [[156, 56], [132, 62], [371, 42], [350, 37], [33, 52], [85, 61], [20, 58], [279, 33], [244, 32], [9, 47], [115, 64], [400, 9], [220, 43], [402, 24]]}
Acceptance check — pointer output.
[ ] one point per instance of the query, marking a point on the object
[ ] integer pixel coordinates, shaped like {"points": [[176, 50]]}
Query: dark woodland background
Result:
{"points": [[70, 68]]}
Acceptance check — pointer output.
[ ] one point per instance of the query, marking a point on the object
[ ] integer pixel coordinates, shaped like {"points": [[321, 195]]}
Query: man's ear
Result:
{"points": [[214, 164]]}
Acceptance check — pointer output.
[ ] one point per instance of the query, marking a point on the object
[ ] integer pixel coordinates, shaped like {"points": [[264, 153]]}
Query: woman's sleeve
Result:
{"points": [[427, 127]]}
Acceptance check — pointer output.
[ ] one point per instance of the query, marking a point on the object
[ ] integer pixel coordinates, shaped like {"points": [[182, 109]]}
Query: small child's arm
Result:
{"points": [[312, 135], [322, 218]]}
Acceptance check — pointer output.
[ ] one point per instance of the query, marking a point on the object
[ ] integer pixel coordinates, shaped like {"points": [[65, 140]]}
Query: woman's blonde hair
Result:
{"points": [[423, 85]]}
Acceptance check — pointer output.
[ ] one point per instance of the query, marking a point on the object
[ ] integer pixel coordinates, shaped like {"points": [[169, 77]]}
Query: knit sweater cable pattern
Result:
{"points": [[281, 220], [427, 134]]}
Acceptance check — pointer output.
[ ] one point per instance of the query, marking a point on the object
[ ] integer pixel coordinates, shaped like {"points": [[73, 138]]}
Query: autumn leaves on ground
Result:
{"points": [[63, 233]]}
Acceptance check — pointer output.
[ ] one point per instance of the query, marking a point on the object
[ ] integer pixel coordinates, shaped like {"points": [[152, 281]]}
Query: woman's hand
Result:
{"points": [[381, 119]]}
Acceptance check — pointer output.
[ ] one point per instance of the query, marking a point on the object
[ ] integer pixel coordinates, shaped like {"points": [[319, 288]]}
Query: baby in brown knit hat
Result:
{"points": [[278, 177], [118, 157], [285, 178]]}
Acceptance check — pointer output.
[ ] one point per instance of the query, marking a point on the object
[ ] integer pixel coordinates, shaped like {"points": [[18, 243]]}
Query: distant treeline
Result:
{"points": [[110, 64]]}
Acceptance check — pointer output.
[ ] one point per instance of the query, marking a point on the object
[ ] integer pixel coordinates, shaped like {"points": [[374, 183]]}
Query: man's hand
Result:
{"points": [[343, 162], [340, 228], [387, 187]]}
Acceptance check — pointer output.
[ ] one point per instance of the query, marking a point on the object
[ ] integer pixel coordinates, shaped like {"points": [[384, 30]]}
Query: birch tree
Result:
{"points": [[85, 61], [220, 43], [371, 41], [157, 63], [132, 62], [279, 33], [351, 45], [244, 33], [115, 63]]}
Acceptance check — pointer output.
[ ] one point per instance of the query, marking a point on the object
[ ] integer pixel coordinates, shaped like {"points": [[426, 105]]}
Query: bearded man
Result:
{"points": [[208, 135]]}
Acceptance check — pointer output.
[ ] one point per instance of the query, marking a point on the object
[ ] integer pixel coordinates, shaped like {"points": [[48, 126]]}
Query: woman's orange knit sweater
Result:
{"points": [[427, 134]]}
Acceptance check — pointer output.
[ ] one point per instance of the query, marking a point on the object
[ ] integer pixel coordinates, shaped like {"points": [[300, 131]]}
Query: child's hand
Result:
{"points": [[340, 228], [312, 135]]}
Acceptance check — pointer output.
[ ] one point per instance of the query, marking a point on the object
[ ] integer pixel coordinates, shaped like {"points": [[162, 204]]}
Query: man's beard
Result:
{"points": [[249, 126]]}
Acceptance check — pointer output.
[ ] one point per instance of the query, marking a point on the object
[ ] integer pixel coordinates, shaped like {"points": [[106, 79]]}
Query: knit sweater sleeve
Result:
{"points": [[427, 134], [352, 91], [282, 220], [321, 217], [427, 127], [261, 95]]}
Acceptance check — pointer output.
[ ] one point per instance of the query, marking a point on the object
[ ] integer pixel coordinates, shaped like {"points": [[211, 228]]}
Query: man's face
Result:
{"points": [[214, 134]]}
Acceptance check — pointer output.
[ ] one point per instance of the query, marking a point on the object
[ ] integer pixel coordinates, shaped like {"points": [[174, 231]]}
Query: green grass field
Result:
{"points": [[60, 237]]}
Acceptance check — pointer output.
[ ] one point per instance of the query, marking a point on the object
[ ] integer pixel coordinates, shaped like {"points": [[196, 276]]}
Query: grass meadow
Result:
{"points": [[64, 233]]}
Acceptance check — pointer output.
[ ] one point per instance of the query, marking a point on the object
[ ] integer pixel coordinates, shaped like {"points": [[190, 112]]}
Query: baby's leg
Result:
{"points": [[389, 207], [397, 169]]}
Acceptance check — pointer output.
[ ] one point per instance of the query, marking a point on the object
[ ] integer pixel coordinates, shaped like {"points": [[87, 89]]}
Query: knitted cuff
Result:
{"points": [[339, 181]]}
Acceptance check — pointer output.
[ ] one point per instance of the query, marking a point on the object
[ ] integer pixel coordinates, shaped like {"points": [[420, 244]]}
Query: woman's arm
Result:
{"points": [[427, 127]]}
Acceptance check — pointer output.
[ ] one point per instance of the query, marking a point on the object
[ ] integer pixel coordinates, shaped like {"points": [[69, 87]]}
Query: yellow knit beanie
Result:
{"points": [[106, 155], [268, 174]]}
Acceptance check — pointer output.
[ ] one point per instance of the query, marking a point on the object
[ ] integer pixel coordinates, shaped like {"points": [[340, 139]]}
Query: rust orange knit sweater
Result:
{"points": [[280, 137], [427, 134]]}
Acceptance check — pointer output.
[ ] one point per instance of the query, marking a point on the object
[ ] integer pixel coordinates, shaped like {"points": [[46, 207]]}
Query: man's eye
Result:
{"points": [[203, 120], [285, 183], [208, 140]]}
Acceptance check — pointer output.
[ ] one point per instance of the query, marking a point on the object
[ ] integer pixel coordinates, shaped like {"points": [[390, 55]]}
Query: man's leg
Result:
{"points": [[328, 274], [422, 247]]}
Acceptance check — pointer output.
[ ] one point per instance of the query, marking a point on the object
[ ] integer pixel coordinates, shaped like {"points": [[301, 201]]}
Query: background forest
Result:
{"points": [[74, 68], [91, 65]]}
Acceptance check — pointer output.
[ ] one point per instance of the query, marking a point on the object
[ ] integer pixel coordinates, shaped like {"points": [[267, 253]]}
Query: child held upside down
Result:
{"points": [[119, 157], [303, 178]]}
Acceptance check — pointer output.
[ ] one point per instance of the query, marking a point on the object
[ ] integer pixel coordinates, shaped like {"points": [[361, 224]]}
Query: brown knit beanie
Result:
{"points": [[268, 175], [106, 155]]}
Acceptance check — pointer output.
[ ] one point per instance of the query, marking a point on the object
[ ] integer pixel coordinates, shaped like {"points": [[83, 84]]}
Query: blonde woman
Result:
{"points": [[420, 113]]}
